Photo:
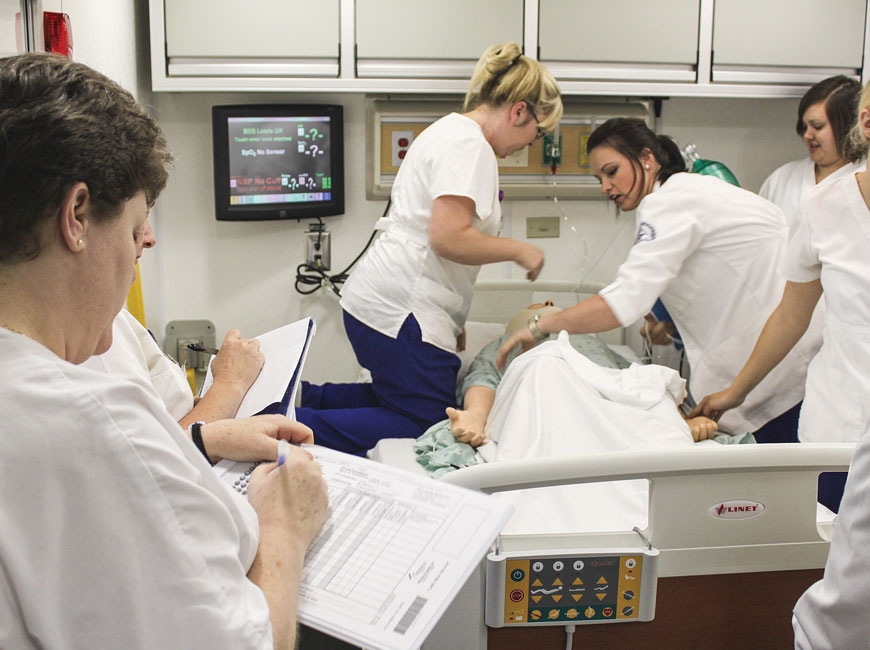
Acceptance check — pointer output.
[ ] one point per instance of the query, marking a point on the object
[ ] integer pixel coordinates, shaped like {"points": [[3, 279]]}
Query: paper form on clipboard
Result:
{"points": [[394, 551]]}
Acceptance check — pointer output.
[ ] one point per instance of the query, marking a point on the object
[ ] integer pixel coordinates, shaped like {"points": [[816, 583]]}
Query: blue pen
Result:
{"points": [[283, 451]]}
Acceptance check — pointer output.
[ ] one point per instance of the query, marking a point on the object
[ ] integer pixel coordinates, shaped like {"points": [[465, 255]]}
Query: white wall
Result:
{"points": [[111, 37], [752, 137], [241, 274]]}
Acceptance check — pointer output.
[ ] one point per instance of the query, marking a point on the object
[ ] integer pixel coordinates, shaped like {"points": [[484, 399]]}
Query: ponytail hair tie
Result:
{"points": [[501, 73]]}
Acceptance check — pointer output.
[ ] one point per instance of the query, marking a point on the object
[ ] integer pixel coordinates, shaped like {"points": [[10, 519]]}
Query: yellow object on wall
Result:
{"points": [[135, 302], [190, 371]]}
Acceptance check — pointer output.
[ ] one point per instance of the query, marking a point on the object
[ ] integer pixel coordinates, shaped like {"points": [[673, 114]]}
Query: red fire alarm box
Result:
{"points": [[58, 33]]}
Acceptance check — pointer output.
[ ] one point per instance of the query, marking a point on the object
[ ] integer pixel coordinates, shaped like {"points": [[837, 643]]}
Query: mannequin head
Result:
{"points": [[521, 319]]}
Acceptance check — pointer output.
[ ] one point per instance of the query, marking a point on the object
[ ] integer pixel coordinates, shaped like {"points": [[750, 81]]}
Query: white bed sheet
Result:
{"points": [[554, 402]]}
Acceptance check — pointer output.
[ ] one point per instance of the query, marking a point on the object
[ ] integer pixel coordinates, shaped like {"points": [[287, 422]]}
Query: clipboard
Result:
{"points": [[394, 551], [274, 390]]}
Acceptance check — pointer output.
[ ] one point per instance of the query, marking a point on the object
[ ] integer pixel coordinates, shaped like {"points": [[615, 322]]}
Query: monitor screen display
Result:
{"points": [[278, 161]]}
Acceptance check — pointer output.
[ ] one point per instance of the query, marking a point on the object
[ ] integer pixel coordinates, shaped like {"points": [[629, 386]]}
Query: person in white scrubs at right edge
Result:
{"points": [[832, 613], [830, 252], [826, 113]]}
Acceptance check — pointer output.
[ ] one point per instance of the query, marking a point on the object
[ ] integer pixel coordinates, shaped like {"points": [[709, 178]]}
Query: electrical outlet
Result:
{"points": [[317, 249]]}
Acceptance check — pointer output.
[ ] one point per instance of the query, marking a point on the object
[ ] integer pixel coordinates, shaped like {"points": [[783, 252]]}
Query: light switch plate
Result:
{"points": [[542, 227]]}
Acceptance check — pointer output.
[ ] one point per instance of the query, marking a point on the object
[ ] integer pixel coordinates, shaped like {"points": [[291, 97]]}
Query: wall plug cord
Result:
{"points": [[315, 277], [569, 636], [564, 218]]}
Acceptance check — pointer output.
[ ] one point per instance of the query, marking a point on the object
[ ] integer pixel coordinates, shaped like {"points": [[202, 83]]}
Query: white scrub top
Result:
{"points": [[787, 184], [711, 251], [833, 243], [401, 274], [832, 613], [135, 355], [786, 187], [116, 533]]}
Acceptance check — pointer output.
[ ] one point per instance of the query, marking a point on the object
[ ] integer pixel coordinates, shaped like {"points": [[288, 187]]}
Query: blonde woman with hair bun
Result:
{"points": [[504, 76], [407, 300]]}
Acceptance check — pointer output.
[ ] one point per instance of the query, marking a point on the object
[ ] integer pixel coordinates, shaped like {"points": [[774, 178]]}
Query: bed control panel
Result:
{"points": [[589, 586]]}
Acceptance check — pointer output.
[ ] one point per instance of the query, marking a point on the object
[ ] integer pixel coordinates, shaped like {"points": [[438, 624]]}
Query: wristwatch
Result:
{"points": [[537, 334], [196, 436]]}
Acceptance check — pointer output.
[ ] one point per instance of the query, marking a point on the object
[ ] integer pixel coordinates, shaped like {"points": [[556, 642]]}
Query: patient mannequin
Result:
{"points": [[479, 387]]}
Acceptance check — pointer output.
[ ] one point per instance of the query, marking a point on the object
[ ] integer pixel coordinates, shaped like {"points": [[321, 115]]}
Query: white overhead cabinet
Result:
{"points": [[701, 47], [620, 40], [425, 39], [787, 41], [660, 48], [254, 38]]}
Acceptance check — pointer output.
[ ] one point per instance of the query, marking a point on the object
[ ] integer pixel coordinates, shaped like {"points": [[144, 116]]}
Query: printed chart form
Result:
{"points": [[393, 553]]}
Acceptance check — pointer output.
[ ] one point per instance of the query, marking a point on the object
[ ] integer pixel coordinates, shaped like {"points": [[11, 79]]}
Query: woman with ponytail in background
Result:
{"points": [[826, 114], [711, 251]]}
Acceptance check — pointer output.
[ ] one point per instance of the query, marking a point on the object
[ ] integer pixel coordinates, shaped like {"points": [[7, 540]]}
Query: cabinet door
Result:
{"points": [[789, 33], [588, 39], [251, 30], [8, 37], [437, 39]]}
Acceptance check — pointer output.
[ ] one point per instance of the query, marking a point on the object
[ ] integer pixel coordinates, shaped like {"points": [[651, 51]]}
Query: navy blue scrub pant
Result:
{"points": [[783, 428], [412, 384]]}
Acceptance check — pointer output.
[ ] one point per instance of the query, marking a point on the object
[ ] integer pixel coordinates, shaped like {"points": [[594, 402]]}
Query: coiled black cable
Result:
{"points": [[315, 277]]}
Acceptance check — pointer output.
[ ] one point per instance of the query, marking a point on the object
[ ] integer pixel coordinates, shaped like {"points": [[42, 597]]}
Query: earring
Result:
{"points": [[80, 243], [645, 167]]}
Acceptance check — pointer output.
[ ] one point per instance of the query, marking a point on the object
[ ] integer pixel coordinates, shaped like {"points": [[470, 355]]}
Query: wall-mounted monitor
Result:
{"points": [[278, 161]]}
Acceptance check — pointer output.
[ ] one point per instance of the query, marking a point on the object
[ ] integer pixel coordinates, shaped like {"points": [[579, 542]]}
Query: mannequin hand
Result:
{"points": [[656, 331], [466, 427], [522, 336], [702, 428]]}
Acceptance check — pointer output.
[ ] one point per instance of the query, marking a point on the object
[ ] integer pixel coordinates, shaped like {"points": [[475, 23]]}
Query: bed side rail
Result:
{"points": [[653, 464], [757, 498]]}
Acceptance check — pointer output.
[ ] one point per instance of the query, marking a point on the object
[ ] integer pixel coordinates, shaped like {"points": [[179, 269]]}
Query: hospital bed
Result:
{"points": [[733, 536], [720, 582]]}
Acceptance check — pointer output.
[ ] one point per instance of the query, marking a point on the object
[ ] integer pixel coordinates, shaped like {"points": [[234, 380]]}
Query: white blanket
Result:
{"points": [[553, 401]]}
